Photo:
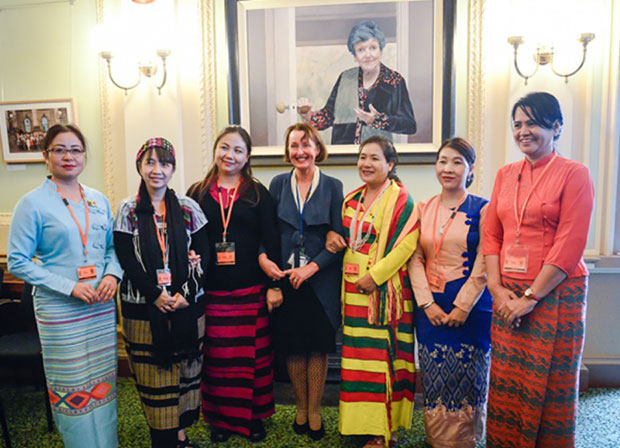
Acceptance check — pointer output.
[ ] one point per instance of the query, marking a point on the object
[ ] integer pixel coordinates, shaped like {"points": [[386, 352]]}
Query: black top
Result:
{"points": [[126, 231], [388, 95], [251, 226]]}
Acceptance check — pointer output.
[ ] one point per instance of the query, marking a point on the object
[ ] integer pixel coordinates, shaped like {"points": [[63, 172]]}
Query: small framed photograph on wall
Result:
{"points": [[23, 124]]}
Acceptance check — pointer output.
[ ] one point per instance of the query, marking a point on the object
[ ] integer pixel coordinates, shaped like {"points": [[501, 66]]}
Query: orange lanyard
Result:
{"points": [[437, 246], [519, 216], [83, 235], [226, 218], [357, 220], [161, 236]]}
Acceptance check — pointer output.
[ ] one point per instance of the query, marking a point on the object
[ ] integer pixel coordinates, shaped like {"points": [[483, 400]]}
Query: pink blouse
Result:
{"points": [[556, 220], [449, 261]]}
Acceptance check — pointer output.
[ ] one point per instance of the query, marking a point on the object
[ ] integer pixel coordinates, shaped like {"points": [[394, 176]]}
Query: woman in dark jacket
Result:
{"points": [[309, 204]]}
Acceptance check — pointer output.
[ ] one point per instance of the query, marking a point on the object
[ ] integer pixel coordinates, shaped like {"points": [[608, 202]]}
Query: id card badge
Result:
{"points": [[303, 259], [352, 269], [225, 252], [436, 282], [298, 259], [164, 277], [516, 259], [87, 272]]}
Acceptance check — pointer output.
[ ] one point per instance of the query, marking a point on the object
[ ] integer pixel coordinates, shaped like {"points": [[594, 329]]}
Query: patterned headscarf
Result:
{"points": [[157, 142]]}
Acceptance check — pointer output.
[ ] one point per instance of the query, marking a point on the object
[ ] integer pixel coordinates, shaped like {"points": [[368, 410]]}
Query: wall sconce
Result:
{"points": [[544, 56], [147, 69]]}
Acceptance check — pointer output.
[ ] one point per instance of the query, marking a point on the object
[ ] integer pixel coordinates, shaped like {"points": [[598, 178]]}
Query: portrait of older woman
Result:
{"points": [[370, 99]]}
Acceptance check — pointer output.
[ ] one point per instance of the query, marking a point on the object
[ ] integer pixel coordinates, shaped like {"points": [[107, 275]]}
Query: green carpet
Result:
{"points": [[598, 424]]}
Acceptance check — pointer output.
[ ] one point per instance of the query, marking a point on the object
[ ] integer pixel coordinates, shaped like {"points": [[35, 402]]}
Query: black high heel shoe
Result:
{"points": [[219, 435], [300, 429], [257, 431], [316, 434]]}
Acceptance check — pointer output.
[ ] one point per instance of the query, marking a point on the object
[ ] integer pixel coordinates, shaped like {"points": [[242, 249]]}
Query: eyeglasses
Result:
{"points": [[62, 150]]}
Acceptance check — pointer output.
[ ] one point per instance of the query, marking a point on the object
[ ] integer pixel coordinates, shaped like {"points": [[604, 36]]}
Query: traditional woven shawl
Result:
{"points": [[385, 305]]}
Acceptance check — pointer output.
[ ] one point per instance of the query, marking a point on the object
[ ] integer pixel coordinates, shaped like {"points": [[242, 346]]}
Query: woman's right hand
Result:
{"points": [[304, 109], [501, 296], [334, 242], [165, 303], [85, 292], [435, 314], [274, 298], [269, 267]]}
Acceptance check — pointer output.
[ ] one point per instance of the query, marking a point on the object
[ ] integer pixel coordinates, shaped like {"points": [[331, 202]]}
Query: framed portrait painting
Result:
{"points": [[23, 126], [351, 68]]}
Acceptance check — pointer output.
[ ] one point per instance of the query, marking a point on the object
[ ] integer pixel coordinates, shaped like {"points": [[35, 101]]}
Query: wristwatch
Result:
{"points": [[529, 294]]}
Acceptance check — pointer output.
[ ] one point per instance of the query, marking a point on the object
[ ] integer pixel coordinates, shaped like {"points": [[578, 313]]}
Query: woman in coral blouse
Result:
{"points": [[453, 325], [534, 237]]}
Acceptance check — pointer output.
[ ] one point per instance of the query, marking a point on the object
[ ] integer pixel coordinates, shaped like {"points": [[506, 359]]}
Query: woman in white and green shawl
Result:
{"points": [[367, 100]]}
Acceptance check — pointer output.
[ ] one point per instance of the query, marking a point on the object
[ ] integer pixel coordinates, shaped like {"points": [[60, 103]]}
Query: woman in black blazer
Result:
{"points": [[309, 204]]}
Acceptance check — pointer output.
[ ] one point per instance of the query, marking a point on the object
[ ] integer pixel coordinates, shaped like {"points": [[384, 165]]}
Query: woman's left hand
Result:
{"points": [[180, 302], [367, 117], [365, 285], [106, 288], [456, 318], [299, 275], [515, 309]]}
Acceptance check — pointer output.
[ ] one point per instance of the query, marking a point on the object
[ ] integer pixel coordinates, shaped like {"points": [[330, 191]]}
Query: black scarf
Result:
{"points": [[175, 334]]}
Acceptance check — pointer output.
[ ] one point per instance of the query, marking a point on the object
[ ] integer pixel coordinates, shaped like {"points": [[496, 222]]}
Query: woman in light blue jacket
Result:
{"points": [[67, 228]]}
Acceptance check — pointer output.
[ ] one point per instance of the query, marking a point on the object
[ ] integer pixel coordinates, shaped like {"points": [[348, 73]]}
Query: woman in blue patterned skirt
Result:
{"points": [[454, 320], [67, 227]]}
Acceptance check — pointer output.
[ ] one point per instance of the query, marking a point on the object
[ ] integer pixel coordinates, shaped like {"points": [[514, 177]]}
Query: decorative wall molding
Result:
{"points": [[106, 125], [5, 222], [111, 126], [475, 87], [208, 84]]}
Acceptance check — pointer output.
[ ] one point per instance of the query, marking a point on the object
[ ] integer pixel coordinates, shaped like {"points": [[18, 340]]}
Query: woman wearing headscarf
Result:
{"points": [[163, 316], [535, 233], [381, 233], [67, 227], [370, 99], [237, 379], [453, 322]]}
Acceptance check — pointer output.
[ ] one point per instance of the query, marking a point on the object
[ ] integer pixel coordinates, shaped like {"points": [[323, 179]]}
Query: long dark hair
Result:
{"points": [[542, 108], [389, 152], [464, 148], [249, 182]]}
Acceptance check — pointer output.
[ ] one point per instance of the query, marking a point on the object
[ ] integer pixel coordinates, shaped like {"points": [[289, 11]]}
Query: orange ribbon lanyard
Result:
{"points": [[83, 235], [226, 218], [519, 216], [437, 246], [359, 222], [161, 236]]}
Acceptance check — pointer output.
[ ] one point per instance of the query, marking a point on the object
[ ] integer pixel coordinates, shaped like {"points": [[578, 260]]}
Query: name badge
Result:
{"points": [[298, 259], [225, 253], [87, 272], [352, 269], [164, 277], [516, 259], [436, 282]]}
